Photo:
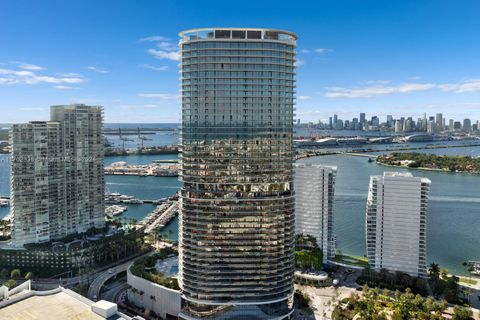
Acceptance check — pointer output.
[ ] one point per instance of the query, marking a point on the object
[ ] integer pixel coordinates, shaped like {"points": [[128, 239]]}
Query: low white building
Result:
{"points": [[314, 187], [164, 301], [396, 223], [56, 304]]}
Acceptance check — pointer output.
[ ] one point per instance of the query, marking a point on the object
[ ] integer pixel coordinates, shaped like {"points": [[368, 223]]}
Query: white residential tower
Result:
{"points": [[396, 223], [314, 187]]}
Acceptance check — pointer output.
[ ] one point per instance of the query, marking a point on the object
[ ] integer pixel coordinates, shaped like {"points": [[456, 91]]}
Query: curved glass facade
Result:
{"points": [[237, 203]]}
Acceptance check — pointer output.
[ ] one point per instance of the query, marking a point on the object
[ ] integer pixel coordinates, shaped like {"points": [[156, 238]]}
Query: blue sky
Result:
{"points": [[380, 57]]}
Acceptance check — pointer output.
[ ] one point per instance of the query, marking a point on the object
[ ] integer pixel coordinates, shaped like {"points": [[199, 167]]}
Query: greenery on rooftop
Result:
{"points": [[351, 260], [144, 267], [308, 256]]}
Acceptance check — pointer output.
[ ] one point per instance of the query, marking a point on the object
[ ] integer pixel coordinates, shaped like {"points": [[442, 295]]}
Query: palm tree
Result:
{"points": [[434, 270]]}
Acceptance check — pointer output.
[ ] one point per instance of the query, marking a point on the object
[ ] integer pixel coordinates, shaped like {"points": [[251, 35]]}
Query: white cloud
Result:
{"points": [[162, 54], [139, 106], [10, 77], [300, 62], [165, 97], [154, 39], [69, 74], [304, 97], [376, 90], [411, 87], [304, 51], [87, 100], [64, 87], [165, 49], [167, 46], [98, 70], [471, 85], [381, 87], [29, 66], [160, 68], [322, 50], [31, 109]]}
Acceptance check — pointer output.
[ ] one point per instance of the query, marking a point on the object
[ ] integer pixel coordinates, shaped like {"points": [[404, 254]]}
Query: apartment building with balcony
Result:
{"points": [[396, 223]]}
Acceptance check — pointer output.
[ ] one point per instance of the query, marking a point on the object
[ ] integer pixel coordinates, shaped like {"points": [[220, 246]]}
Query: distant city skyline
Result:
{"points": [[408, 57]]}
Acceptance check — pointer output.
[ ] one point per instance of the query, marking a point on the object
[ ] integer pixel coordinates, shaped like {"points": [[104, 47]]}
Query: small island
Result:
{"points": [[431, 162]]}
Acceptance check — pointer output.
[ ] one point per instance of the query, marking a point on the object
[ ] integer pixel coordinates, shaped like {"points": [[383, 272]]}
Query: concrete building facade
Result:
{"points": [[396, 223], [314, 205], [57, 185]]}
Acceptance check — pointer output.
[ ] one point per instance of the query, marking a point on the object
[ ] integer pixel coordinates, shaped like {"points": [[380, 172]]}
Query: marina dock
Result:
{"points": [[155, 169], [160, 216]]}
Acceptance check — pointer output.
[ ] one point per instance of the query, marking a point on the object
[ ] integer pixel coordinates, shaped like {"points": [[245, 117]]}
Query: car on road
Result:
{"points": [[111, 271]]}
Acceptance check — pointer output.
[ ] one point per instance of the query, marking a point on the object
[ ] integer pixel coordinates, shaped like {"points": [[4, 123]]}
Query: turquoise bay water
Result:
{"points": [[454, 210]]}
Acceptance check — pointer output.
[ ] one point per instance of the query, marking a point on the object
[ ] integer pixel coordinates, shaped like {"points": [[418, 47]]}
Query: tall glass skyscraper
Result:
{"points": [[237, 202]]}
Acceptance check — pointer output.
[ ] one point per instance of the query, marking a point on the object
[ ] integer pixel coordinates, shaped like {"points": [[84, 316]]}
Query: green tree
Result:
{"points": [[10, 283], [4, 273], [29, 276], [15, 274], [461, 313], [434, 270]]}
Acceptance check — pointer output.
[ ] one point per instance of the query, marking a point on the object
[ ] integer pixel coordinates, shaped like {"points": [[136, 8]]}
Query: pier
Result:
{"points": [[160, 216], [358, 154], [154, 169]]}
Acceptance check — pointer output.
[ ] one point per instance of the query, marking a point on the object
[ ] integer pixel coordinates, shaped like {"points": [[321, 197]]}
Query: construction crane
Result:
{"points": [[142, 138], [124, 139]]}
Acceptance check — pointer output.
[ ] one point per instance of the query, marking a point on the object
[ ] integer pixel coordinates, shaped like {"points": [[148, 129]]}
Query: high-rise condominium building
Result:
{"points": [[396, 223], [237, 203], [439, 122], [314, 199], [467, 125], [362, 118], [57, 175]]}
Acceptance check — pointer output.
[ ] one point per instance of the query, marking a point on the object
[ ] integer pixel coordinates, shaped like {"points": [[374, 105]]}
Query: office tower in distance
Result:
{"points": [[314, 187], [57, 175], [439, 122], [450, 125], [389, 121], [362, 118], [236, 244], [467, 125], [431, 127], [398, 125], [396, 223]]}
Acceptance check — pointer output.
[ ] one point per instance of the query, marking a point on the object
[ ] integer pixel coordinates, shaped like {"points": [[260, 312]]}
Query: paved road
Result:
{"points": [[112, 291], [99, 282]]}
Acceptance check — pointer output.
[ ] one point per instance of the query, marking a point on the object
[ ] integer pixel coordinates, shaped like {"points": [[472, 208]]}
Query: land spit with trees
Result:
{"points": [[431, 162]]}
